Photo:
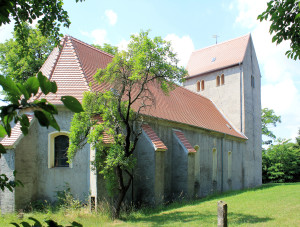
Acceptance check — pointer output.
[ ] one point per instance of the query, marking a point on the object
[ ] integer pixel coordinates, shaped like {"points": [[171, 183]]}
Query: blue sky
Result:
{"points": [[190, 25]]}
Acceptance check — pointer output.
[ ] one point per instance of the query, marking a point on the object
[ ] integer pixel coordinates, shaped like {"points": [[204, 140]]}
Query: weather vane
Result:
{"points": [[216, 37]]}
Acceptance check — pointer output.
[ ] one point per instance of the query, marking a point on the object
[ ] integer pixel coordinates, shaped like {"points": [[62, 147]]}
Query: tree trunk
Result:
{"points": [[122, 192]]}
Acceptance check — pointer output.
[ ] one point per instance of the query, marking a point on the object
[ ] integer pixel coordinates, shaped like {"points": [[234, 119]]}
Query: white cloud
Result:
{"points": [[111, 16], [248, 12], [183, 46], [6, 32], [123, 45], [98, 36], [280, 75]]}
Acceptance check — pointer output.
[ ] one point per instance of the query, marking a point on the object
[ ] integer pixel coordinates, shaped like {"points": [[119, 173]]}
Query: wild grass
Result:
{"points": [[269, 205]]}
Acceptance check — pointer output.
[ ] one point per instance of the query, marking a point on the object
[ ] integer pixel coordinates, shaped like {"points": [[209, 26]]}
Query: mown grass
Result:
{"points": [[269, 205]]}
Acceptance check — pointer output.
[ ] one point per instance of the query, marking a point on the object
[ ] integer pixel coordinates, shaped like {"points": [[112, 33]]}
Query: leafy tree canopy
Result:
{"points": [[284, 16], [269, 118], [20, 67], [281, 162], [109, 121], [49, 13], [107, 48]]}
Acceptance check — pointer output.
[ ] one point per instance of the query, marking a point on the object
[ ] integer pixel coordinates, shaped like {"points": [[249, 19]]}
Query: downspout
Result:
{"points": [[241, 95]]}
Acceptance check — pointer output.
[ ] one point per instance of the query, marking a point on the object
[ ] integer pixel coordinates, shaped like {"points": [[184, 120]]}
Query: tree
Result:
{"points": [[285, 24], [281, 162], [20, 67], [114, 116], [268, 118], [107, 48], [49, 13]]}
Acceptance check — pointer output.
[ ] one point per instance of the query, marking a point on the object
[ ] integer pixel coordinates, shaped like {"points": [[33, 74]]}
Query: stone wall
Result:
{"points": [[7, 166]]}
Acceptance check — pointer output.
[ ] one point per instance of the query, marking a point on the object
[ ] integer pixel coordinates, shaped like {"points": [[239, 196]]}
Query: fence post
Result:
{"points": [[222, 214]]}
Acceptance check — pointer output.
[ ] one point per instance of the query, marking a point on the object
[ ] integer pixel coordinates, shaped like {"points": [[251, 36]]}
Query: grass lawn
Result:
{"points": [[269, 205]]}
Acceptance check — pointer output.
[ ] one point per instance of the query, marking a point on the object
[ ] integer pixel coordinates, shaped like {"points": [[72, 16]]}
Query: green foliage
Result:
{"points": [[285, 24], [109, 122], [50, 15], [66, 201], [268, 117], [20, 66], [107, 48], [281, 162]]}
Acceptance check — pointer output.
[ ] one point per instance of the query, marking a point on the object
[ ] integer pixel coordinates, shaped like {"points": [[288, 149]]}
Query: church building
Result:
{"points": [[204, 137]]}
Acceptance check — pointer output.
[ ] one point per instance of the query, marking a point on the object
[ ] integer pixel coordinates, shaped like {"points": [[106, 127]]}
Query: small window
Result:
{"points": [[202, 85], [222, 79], [198, 86], [214, 165], [229, 165], [58, 144], [218, 81], [61, 145], [252, 81]]}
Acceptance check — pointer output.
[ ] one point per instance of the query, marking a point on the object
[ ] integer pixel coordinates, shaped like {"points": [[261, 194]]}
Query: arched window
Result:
{"points": [[202, 85], [222, 79], [61, 145], [218, 81], [58, 144], [198, 86], [229, 165]]}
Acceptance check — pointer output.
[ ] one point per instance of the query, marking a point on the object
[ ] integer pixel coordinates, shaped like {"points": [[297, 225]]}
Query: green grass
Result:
{"points": [[269, 205]]}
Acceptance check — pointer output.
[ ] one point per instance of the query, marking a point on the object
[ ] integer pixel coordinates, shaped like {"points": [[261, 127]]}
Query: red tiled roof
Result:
{"points": [[16, 133], [77, 63], [158, 144], [184, 141], [184, 106], [224, 54]]}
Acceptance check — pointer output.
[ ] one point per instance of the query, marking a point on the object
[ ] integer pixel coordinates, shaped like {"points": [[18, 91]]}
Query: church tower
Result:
{"points": [[228, 74]]}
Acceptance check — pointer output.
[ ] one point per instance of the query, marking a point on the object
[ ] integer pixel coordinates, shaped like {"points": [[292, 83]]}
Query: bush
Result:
{"points": [[281, 162]]}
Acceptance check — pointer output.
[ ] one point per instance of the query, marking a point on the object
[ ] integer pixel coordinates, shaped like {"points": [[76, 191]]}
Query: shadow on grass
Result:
{"points": [[183, 203], [206, 218]]}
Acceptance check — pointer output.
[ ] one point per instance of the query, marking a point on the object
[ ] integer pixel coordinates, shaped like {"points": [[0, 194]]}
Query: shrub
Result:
{"points": [[281, 162]]}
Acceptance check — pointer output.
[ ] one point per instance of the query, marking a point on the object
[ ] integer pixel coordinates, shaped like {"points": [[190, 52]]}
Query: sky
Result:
{"points": [[190, 25]]}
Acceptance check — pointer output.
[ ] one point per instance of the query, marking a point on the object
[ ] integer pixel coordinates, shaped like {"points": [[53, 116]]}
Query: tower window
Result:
{"points": [[222, 79], [218, 81], [198, 86], [202, 85]]}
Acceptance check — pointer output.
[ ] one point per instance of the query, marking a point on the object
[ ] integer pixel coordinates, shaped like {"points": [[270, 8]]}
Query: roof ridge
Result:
{"points": [[90, 46], [80, 64], [249, 34]]}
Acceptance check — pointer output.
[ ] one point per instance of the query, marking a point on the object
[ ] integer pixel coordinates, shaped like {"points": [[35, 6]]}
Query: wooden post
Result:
{"points": [[222, 214]]}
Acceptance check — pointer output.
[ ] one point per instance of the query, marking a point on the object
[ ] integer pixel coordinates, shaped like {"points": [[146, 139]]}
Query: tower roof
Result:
{"points": [[218, 56]]}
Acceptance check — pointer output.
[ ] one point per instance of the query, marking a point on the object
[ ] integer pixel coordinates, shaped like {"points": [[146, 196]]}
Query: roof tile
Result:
{"points": [[16, 133], [184, 141], [158, 144], [78, 62], [218, 56]]}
